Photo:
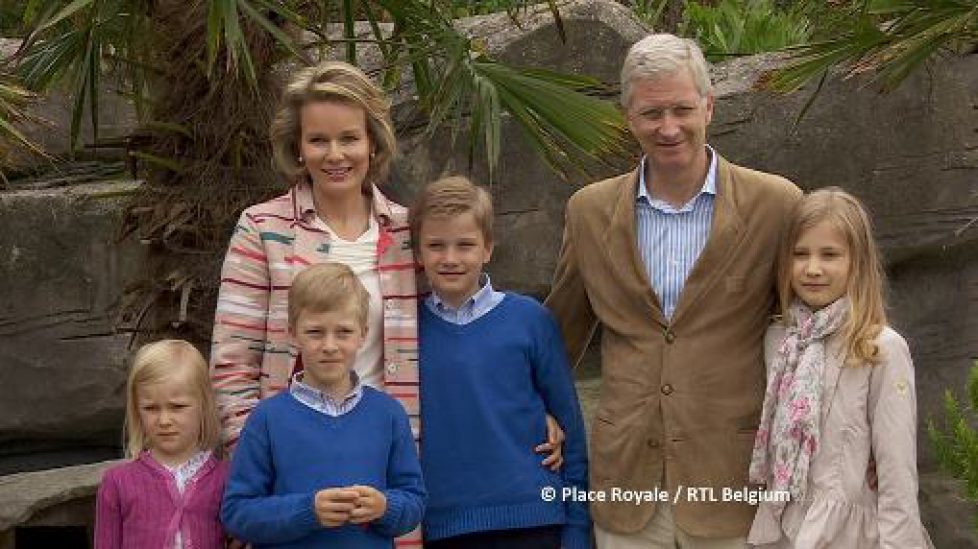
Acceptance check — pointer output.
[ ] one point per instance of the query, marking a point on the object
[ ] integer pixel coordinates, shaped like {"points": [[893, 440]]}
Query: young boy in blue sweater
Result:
{"points": [[330, 462], [492, 366]]}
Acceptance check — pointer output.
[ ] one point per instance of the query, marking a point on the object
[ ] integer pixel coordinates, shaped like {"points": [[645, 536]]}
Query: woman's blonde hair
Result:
{"points": [[867, 314], [161, 360], [333, 81]]}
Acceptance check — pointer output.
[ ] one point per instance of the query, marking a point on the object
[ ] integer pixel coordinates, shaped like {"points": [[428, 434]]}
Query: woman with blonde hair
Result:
{"points": [[333, 140]]}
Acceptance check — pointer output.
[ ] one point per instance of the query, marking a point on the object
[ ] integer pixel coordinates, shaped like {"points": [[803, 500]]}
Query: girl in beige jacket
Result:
{"points": [[840, 393]]}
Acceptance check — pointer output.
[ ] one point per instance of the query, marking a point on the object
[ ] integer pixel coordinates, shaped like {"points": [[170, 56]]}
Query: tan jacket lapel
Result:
{"points": [[621, 246], [725, 237]]}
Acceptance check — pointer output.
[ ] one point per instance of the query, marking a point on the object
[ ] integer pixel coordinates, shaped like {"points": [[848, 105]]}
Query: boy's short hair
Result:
{"points": [[325, 288], [449, 197]]}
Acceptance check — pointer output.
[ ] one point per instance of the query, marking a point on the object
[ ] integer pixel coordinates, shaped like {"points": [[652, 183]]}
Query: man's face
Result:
{"points": [[668, 117]]}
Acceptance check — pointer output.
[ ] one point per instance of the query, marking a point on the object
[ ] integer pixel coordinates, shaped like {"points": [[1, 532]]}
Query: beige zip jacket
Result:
{"points": [[866, 410]]}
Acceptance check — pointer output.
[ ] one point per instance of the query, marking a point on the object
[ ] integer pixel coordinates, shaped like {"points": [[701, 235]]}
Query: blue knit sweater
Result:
{"points": [[289, 451], [486, 388]]}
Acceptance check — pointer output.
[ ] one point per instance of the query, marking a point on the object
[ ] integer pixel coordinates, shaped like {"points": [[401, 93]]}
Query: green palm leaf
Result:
{"points": [[13, 102], [71, 45], [889, 39], [454, 78], [569, 129], [71, 40]]}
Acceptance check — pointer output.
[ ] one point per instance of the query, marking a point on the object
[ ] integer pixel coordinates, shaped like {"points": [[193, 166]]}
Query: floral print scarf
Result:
{"points": [[789, 432]]}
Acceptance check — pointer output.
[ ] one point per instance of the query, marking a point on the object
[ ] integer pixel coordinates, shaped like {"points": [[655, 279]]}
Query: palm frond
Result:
{"points": [[14, 99], [71, 44], [453, 76], [224, 29], [886, 38], [455, 79], [569, 129]]}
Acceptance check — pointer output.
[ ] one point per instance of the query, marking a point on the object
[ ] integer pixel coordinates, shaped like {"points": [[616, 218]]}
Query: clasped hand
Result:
{"points": [[354, 504]]}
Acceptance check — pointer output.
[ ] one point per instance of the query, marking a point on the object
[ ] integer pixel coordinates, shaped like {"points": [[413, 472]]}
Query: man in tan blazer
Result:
{"points": [[675, 261]]}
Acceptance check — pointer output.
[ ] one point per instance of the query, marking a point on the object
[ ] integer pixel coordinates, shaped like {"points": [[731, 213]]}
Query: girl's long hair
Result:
{"points": [[865, 287], [155, 362]]}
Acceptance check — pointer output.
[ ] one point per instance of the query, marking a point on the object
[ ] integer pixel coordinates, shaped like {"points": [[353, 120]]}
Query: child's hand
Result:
{"points": [[334, 505], [371, 505], [554, 445]]}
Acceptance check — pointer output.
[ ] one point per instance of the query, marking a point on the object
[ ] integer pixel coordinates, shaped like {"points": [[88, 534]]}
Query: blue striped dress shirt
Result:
{"points": [[671, 239]]}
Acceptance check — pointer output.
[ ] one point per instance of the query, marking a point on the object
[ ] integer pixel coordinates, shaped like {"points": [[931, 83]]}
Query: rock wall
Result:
{"points": [[61, 361], [59, 352]]}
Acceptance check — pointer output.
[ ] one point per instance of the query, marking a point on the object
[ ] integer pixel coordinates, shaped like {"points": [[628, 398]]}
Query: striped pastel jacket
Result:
{"points": [[251, 357]]}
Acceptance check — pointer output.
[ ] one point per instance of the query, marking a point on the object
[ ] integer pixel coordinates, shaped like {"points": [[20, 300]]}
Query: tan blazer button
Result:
{"points": [[667, 389], [670, 336], [653, 443]]}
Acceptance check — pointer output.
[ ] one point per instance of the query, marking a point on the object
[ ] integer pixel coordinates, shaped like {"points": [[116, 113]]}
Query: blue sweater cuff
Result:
{"points": [[389, 523], [307, 520], [576, 537]]}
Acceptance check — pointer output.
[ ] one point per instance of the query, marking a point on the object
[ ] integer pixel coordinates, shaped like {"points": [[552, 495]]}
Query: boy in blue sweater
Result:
{"points": [[492, 366], [330, 462]]}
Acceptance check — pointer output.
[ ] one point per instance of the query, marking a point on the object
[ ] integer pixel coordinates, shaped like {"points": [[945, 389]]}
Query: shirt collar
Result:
{"points": [[305, 207], [480, 297], [308, 393], [709, 184]]}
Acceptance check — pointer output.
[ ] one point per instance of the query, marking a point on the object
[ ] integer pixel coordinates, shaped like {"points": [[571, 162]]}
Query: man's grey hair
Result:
{"points": [[661, 54]]}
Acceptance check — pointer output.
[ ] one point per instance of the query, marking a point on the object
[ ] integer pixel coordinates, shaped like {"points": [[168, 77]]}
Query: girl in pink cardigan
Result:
{"points": [[169, 495], [840, 393]]}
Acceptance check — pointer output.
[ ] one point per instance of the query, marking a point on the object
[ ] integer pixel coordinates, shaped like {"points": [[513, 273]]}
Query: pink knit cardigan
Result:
{"points": [[139, 506]]}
